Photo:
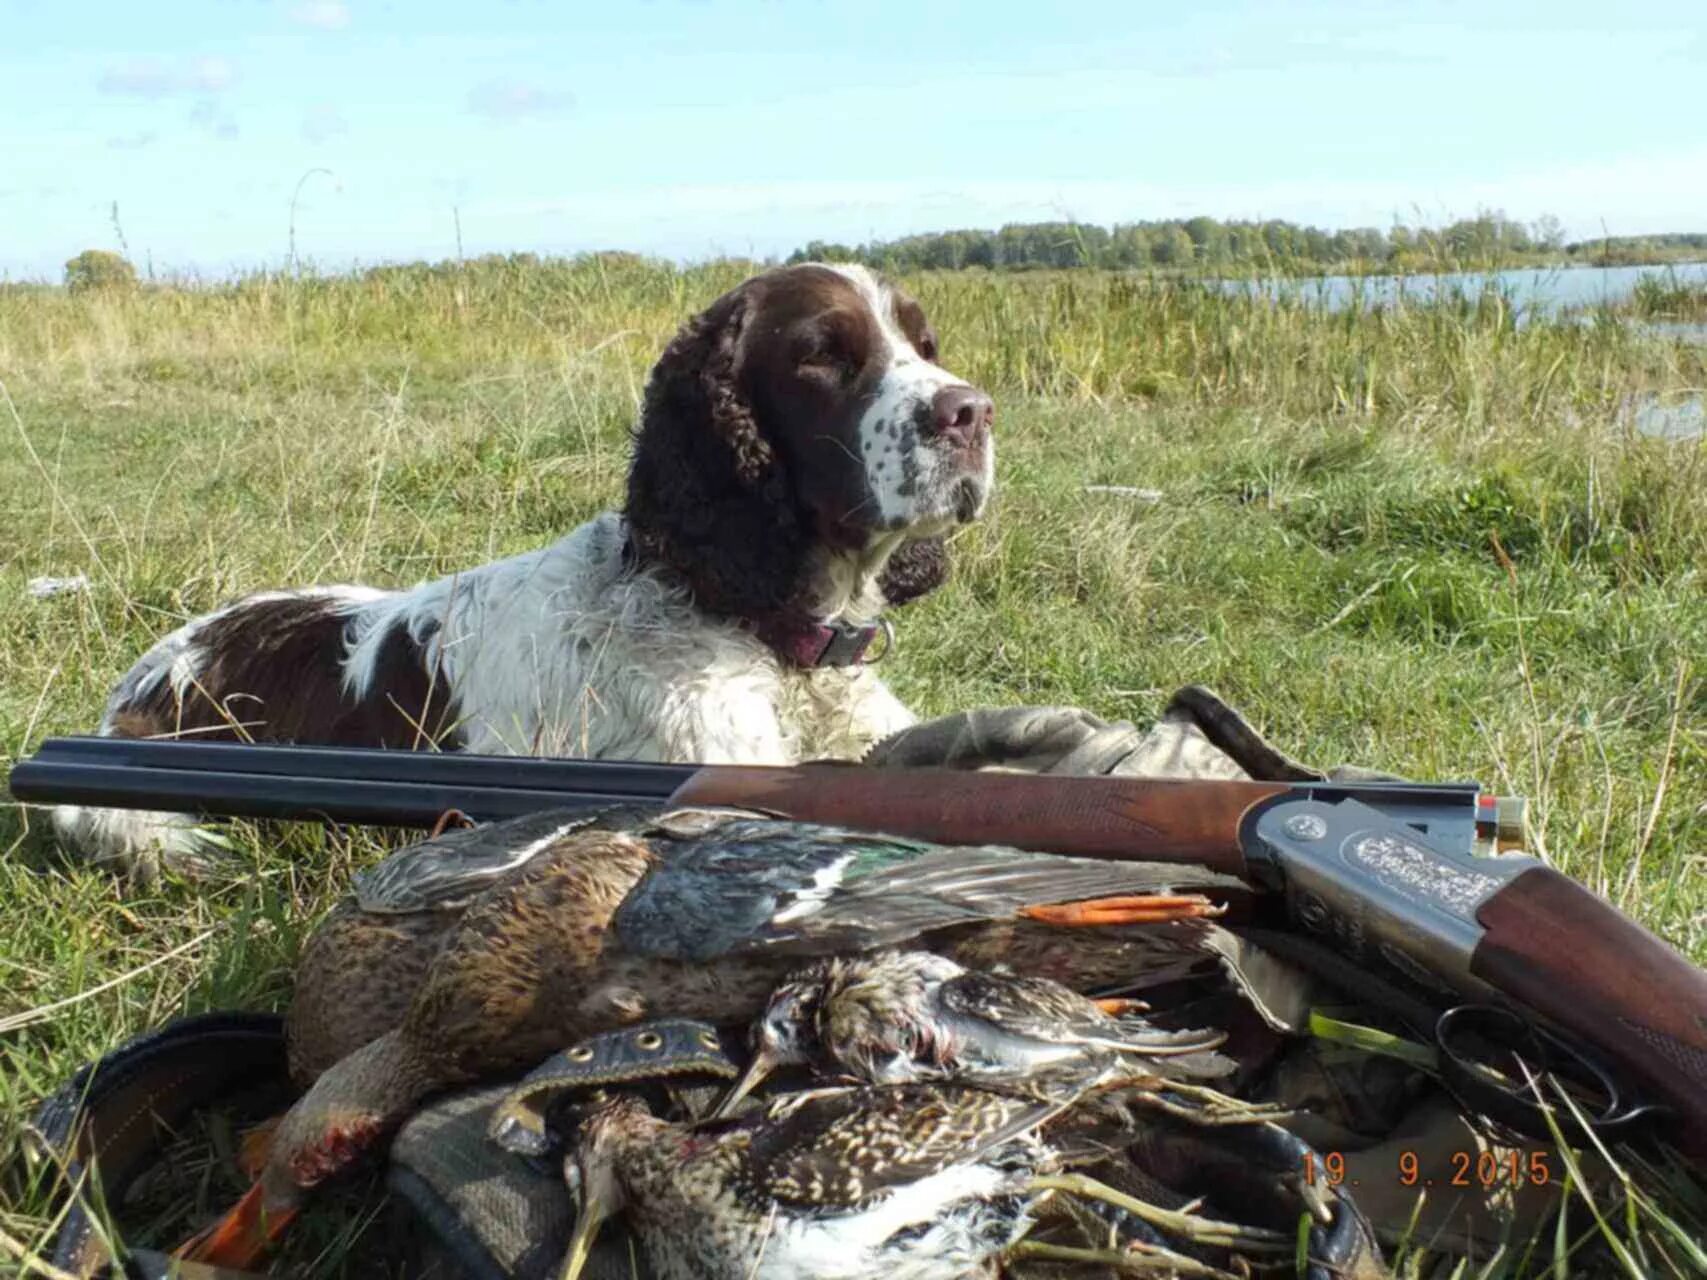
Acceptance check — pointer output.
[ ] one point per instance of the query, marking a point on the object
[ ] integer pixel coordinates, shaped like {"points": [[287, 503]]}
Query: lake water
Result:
{"points": [[1532, 290], [1694, 334], [1670, 420]]}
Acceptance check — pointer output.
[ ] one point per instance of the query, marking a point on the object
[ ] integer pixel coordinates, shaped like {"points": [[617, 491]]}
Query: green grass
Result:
{"points": [[1419, 539], [1662, 295]]}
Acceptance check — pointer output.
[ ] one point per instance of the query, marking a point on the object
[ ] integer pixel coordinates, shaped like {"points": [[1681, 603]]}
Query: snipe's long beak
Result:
{"points": [[760, 1067], [1176, 1044], [594, 1210], [244, 1237]]}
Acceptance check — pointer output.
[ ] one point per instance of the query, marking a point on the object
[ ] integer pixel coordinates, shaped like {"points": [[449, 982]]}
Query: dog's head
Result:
{"points": [[803, 417]]}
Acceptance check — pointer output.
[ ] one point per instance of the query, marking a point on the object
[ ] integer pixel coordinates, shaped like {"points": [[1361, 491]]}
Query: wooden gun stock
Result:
{"points": [[1156, 820], [1577, 960]]}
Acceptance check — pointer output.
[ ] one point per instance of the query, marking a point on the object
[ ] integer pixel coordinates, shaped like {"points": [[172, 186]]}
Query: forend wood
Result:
{"points": [[1151, 820]]}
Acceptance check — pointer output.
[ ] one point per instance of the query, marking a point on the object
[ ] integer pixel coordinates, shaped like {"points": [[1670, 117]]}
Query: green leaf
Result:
{"points": [[1369, 1040]]}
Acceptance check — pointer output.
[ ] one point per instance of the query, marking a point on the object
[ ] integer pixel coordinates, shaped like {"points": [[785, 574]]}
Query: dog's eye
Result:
{"points": [[927, 345], [824, 356]]}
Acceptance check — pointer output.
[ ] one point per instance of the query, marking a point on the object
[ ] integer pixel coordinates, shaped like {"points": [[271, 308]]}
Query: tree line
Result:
{"points": [[1488, 239]]}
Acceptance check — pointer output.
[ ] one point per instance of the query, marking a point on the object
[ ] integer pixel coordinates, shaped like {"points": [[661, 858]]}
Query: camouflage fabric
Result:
{"points": [[1197, 736], [494, 1215]]}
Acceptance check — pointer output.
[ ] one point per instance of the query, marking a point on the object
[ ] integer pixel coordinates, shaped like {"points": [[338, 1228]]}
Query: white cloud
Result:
{"points": [[328, 15], [212, 75], [157, 78], [214, 120], [133, 141], [512, 100], [323, 123]]}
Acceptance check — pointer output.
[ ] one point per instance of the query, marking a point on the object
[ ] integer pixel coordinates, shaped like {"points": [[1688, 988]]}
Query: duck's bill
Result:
{"points": [[760, 1067], [594, 1210]]}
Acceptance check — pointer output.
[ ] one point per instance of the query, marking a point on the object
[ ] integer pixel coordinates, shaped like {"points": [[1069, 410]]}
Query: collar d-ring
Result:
{"points": [[886, 629]]}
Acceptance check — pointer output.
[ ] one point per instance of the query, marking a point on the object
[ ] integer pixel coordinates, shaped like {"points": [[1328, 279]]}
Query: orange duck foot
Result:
{"points": [[251, 1229], [243, 1238], [1142, 909]]}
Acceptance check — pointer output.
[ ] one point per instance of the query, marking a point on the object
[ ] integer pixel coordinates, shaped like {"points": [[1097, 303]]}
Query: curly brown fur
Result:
{"points": [[917, 569], [707, 494]]}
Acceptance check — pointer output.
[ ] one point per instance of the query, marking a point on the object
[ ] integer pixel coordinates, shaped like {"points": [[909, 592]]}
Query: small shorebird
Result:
{"points": [[518, 937], [895, 1017], [902, 1182]]}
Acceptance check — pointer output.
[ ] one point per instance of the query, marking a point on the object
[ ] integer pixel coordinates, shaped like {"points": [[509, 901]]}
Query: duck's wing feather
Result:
{"points": [[449, 870], [726, 891], [886, 905], [802, 889], [842, 1149]]}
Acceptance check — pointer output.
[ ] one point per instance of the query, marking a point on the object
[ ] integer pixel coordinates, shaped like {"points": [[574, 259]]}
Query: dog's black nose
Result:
{"points": [[963, 414]]}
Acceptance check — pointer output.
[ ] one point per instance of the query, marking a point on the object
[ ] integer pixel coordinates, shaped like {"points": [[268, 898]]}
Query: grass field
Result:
{"points": [[1425, 540]]}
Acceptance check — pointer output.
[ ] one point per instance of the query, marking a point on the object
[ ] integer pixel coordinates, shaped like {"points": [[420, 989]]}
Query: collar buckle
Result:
{"points": [[829, 644]]}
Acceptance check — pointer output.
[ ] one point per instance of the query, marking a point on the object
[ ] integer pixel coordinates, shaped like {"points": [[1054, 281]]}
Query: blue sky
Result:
{"points": [[696, 127]]}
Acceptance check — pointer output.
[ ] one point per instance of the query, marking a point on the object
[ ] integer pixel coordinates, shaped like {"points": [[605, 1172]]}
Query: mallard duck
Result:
{"points": [[898, 1017], [553, 927]]}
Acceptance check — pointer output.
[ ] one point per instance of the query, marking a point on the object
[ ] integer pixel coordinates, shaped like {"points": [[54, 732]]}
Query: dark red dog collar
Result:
{"points": [[825, 644]]}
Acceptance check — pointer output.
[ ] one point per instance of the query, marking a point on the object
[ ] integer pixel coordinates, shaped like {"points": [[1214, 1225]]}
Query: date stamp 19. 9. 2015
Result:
{"points": [[1485, 1169]]}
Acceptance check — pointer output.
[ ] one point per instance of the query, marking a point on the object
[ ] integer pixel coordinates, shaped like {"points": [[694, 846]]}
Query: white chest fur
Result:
{"points": [[564, 651]]}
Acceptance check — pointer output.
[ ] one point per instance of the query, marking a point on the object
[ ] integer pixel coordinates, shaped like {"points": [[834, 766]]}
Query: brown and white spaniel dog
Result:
{"points": [[799, 458]]}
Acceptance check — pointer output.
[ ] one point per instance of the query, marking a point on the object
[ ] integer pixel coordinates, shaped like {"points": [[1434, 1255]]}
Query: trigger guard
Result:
{"points": [[1511, 1105]]}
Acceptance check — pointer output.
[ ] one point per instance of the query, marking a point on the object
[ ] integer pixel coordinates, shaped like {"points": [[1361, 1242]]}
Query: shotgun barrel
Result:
{"points": [[339, 784], [1116, 817]]}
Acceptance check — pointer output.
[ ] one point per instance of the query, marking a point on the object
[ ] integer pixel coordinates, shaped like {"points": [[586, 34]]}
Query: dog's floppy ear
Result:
{"points": [[707, 492], [704, 359], [917, 568]]}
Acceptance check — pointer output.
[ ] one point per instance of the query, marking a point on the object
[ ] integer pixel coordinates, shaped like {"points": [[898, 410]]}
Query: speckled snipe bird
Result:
{"points": [[897, 1017], [484, 951], [893, 1182], [913, 1182]]}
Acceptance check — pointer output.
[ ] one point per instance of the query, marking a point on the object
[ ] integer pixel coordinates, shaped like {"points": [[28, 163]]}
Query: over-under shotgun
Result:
{"points": [[1387, 873]]}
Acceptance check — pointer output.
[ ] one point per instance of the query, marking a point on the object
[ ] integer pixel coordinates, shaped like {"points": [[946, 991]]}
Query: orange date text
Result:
{"points": [[1486, 1169]]}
